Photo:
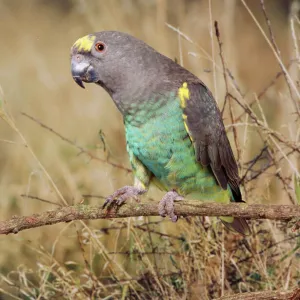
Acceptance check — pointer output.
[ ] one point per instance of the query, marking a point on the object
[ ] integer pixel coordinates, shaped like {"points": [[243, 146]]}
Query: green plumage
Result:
{"points": [[174, 130], [163, 145]]}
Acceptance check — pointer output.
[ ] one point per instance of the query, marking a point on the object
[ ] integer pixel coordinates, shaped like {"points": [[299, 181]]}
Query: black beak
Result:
{"points": [[82, 71], [78, 81]]}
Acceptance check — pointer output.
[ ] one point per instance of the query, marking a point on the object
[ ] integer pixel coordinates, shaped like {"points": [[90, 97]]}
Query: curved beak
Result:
{"points": [[82, 71]]}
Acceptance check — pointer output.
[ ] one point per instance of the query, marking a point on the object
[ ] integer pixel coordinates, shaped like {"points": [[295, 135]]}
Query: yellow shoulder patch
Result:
{"points": [[184, 94], [186, 126], [85, 43]]}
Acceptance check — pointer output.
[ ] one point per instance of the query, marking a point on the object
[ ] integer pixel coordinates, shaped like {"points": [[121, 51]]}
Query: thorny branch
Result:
{"points": [[134, 209]]}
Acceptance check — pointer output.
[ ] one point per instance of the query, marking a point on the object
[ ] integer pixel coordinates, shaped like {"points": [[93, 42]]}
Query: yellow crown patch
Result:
{"points": [[85, 43]]}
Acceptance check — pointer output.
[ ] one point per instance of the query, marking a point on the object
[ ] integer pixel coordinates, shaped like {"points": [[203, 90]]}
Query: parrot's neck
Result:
{"points": [[139, 84], [133, 94]]}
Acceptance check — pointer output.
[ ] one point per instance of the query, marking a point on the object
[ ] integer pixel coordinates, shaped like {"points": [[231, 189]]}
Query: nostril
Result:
{"points": [[78, 58]]}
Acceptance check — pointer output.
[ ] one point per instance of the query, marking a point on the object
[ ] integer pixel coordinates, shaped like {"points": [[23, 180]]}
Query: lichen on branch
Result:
{"points": [[135, 209]]}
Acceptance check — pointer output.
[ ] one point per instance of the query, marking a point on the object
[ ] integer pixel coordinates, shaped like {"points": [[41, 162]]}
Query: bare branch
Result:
{"points": [[227, 94], [81, 149], [276, 49], [264, 91], [134, 209], [268, 295]]}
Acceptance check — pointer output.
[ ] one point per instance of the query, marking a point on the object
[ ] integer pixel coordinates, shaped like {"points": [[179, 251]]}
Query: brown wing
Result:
{"points": [[206, 128]]}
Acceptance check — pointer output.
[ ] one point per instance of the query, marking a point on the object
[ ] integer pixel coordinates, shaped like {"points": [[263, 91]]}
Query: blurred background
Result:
{"points": [[119, 258]]}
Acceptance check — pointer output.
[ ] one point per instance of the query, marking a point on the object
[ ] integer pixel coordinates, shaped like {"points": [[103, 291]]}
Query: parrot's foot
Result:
{"points": [[166, 205], [124, 193]]}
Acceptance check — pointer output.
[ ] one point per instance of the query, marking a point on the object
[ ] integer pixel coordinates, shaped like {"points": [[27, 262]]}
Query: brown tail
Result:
{"points": [[237, 224]]}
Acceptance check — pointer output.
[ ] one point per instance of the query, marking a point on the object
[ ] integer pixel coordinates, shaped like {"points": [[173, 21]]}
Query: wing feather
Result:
{"points": [[207, 131]]}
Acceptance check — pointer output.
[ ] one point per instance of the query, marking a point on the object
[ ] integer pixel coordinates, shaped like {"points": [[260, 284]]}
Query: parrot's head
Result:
{"points": [[127, 68], [112, 59]]}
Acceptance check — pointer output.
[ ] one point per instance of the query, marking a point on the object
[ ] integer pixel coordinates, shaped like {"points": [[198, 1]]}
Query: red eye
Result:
{"points": [[100, 47]]}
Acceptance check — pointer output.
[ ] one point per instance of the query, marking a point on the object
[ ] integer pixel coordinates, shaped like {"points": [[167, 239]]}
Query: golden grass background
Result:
{"points": [[35, 40]]}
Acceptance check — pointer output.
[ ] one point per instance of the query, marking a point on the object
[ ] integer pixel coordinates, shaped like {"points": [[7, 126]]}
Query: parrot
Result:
{"points": [[174, 131]]}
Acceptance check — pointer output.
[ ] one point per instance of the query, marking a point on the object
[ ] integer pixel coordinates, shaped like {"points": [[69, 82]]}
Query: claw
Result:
{"points": [[107, 201], [166, 205], [122, 194]]}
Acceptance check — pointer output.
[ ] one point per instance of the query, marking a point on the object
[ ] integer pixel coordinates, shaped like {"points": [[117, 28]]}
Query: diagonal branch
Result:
{"points": [[134, 209], [80, 148]]}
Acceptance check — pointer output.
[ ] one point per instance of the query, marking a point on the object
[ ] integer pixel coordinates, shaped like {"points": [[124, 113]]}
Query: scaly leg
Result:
{"points": [[124, 193], [166, 205]]}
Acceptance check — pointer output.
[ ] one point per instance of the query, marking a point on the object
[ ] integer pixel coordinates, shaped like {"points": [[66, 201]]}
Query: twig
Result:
{"points": [[278, 53], [134, 209], [217, 32], [262, 3], [277, 135], [290, 82], [11, 123], [81, 149], [266, 88], [269, 295], [160, 234], [227, 93], [229, 73], [214, 68], [260, 171], [268, 248], [40, 199]]}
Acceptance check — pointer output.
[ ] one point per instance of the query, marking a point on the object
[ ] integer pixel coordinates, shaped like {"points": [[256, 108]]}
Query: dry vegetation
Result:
{"points": [[256, 84]]}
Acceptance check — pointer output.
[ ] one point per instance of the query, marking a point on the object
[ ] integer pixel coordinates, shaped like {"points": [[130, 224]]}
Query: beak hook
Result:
{"points": [[78, 81]]}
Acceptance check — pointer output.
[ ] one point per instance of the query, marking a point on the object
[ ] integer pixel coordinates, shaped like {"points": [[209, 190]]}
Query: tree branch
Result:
{"points": [[134, 209]]}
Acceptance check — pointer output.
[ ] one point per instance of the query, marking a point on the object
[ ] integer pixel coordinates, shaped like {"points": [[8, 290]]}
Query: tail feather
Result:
{"points": [[236, 224]]}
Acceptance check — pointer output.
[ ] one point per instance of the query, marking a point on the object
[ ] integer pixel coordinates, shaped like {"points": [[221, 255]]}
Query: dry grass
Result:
{"points": [[144, 258]]}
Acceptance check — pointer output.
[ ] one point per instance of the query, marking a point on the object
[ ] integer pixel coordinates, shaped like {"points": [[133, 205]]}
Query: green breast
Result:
{"points": [[157, 136]]}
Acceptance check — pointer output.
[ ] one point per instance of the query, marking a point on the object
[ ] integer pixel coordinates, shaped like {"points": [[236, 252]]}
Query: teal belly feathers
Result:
{"points": [[163, 145]]}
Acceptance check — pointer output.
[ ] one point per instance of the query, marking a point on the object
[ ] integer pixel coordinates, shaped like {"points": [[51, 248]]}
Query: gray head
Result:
{"points": [[127, 68]]}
